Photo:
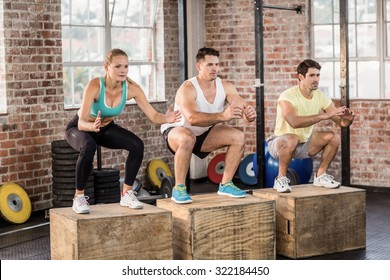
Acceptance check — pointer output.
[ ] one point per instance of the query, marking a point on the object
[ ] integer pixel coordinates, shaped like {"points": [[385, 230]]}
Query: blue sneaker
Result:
{"points": [[180, 195], [231, 190]]}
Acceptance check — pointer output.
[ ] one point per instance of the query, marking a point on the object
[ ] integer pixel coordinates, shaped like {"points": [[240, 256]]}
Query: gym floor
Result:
{"points": [[31, 240]]}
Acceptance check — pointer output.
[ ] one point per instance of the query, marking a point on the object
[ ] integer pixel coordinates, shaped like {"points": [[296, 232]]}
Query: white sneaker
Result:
{"points": [[326, 181], [130, 200], [281, 185], [80, 204]]}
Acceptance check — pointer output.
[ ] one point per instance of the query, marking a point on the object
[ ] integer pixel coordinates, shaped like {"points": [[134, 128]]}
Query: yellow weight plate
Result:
{"points": [[158, 170], [15, 205]]}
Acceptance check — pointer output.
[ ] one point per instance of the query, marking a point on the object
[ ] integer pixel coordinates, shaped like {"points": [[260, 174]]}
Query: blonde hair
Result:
{"points": [[111, 54]]}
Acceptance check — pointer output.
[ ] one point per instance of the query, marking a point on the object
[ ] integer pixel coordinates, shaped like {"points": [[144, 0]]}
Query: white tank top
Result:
{"points": [[203, 106]]}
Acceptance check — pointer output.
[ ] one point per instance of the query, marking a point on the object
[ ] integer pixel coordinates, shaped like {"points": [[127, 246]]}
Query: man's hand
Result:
{"points": [[233, 112], [347, 117], [250, 113]]}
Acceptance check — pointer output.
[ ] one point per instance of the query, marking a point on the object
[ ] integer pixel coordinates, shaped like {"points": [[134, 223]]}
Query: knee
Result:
{"points": [[187, 141], [239, 138], [334, 139], [138, 147], [288, 142], [89, 148]]}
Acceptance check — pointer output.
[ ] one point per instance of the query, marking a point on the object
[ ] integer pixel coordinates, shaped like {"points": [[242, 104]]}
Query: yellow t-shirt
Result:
{"points": [[303, 107]]}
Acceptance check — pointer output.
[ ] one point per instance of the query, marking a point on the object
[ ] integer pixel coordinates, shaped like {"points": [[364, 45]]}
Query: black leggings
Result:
{"points": [[111, 136]]}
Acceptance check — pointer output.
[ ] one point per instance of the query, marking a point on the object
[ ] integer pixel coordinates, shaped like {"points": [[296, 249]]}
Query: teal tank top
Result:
{"points": [[100, 104]]}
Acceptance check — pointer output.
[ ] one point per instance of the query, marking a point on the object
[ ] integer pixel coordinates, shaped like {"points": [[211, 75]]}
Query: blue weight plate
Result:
{"points": [[246, 172]]}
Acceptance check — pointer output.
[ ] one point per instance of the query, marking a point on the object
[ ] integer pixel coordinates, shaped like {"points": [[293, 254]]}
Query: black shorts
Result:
{"points": [[198, 143]]}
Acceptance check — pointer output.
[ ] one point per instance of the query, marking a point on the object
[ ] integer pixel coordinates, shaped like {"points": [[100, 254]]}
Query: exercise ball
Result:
{"points": [[266, 154], [303, 168]]}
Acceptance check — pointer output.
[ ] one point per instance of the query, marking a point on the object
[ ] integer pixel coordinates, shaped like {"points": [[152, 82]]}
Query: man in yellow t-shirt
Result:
{"points": [[299, 109]]}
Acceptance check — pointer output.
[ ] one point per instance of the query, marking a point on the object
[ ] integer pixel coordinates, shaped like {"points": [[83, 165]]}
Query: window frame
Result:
{"points": [[153, 95], [381, 49]]}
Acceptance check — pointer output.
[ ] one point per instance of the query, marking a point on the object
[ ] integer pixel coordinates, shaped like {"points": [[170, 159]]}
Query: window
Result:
{"points": [[92, 27], [369, 52]]}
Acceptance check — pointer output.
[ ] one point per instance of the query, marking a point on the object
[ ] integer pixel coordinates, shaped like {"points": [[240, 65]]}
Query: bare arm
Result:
{"points": [[344, 119], [249, 113], [186, 98], [86, 121], [295, 121], [154, 116]]}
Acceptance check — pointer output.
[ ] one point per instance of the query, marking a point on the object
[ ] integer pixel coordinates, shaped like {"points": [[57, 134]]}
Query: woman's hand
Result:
{"points": [[97, 123], [172, 116]]}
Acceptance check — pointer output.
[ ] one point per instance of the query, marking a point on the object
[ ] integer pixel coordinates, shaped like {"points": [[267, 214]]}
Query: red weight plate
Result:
{"points": [[216, 168]]}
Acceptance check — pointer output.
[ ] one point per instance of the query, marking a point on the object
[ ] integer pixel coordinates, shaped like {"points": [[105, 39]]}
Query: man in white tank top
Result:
{"points": [[201, 101]]}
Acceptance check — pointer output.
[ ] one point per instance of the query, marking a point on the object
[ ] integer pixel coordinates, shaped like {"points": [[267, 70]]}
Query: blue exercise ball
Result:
{"points": [[303, 168], [271, 171], [266, 153]]}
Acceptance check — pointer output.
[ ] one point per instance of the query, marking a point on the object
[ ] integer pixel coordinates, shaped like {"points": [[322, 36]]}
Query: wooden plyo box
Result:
{"points": [[313, 221], [111, 232], [219, 227]]}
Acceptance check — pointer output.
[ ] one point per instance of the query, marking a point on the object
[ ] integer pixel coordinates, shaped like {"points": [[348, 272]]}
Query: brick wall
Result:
{"points": [[33, 79], [34, 90], [229, 27]]}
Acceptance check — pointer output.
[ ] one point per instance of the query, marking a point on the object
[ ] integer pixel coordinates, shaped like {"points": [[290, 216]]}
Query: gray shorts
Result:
{"points": [[300, 152]]}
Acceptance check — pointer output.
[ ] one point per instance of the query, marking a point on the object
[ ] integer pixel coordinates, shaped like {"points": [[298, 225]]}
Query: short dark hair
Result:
{"points": [[206, 51], [304, 66]]}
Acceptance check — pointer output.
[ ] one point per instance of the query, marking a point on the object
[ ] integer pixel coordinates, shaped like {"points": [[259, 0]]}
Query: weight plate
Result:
{"points": [[68, 180], [108, 179], [105, 172], [109, 191], [71, 192], [216, 168], [65, 162], [65, 156], [107, 185], [15, 205], [63, 168], [63, 203], [60, 143], [64, 174], [246, 172], [70, 186], [167, 185], [63, 150], [157, 170]]}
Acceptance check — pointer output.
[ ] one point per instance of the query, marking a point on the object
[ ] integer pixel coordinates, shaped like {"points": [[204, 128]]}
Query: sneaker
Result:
{"points": [[129, 199], [326, 181], [281, 185], [80, 204], [180, 195], [231, 190]]}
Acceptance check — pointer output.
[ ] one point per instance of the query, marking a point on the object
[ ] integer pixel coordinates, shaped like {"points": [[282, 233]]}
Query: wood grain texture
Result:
{"points": [[312, 221], [111, 232], [220, 227]]}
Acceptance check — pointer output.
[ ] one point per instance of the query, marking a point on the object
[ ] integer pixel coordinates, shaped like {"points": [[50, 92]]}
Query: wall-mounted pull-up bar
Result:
{"points": [[298, 9]]}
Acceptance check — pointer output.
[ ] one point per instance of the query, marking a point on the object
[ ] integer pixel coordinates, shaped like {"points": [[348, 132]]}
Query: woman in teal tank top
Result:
{"points": [[105, 98]]}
